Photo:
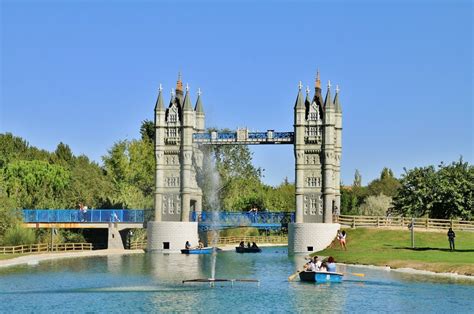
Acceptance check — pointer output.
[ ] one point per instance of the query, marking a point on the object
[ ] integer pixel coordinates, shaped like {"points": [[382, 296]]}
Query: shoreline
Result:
{"points": [[34, 259]]}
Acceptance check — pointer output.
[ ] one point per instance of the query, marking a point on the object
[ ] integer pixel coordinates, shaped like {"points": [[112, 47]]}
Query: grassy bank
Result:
{"points": [[393, 248], [10, 256]]}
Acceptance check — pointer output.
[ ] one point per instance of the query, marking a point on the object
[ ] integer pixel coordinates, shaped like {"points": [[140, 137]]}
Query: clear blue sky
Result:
{"points": [[86, 73]]}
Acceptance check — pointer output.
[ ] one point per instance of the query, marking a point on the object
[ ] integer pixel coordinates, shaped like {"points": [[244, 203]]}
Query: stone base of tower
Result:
{"points": [[310, 237], [171, 236]]}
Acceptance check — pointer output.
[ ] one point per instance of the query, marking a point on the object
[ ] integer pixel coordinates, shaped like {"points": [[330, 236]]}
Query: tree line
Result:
{"points": [[35, 178]]}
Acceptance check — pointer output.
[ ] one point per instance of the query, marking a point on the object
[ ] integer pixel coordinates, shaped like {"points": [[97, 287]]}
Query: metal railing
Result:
{"points": [[45, 247], [78, 216], [283, 239], [422, 223], [239, 219]]}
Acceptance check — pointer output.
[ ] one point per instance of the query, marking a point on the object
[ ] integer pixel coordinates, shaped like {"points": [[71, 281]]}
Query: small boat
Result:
{"points": [[241, 249], [204, 250], [320, 276]]}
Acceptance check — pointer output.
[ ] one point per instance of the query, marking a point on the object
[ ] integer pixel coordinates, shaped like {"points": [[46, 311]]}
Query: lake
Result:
{"points": [[153, 283]]}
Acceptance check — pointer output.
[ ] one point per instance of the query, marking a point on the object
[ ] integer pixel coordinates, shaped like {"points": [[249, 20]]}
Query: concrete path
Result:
{"points": [[34, 259]]}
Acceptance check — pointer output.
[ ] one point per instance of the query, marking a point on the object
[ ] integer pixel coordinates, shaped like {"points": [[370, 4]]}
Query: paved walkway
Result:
{"points": [[34, 259]]}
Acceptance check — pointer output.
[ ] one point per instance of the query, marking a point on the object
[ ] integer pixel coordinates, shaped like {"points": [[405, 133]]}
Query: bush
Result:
{"points": [[17, 235], [72, 237], [375, 205]]}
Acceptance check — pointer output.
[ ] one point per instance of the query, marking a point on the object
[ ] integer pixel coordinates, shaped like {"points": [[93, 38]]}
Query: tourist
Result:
{"points": [[200, 244], [317, 263], [248, 244], [114, 217], [451, 236], [187, 246], [331, 265], [341, 236], [323, 267], [254, 245], [242, 244]]}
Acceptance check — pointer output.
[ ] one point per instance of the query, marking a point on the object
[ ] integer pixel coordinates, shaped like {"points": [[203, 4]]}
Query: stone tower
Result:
{"points": [[177, 194], [317, 148]]}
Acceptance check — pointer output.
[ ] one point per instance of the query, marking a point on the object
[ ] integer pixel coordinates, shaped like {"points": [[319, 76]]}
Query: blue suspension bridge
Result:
{"points": [[136, 218]]}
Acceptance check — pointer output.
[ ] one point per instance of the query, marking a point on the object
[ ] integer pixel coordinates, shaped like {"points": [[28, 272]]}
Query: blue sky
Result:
{"points": [[87, 72]]}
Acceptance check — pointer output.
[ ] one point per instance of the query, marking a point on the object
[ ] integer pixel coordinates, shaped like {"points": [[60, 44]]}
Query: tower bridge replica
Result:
{"points": [[180, 134]]}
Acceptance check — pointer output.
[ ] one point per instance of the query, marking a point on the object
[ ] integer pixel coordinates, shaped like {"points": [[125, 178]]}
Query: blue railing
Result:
{"points": [[257, 135], [283, 135], [270, 220], [77, 216]]}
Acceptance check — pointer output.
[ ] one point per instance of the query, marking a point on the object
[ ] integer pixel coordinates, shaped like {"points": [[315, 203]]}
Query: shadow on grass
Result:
{"points": [[421, 249]]}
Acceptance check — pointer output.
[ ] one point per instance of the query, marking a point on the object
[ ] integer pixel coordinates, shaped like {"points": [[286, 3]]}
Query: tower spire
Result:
{"points": [[336, 100], [179, 83], [187, 100], [328, 101], [299, 98], [318, 80], [198, 108], [159, 102]]}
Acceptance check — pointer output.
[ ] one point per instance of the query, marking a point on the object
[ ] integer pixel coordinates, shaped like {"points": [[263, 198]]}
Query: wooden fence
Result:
{"points": [[420, 223], [45, 247], [137, 245]]}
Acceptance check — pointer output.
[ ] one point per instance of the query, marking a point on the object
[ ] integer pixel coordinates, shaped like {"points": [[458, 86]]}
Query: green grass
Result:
{"points": [[393, 248], [10, 256]]}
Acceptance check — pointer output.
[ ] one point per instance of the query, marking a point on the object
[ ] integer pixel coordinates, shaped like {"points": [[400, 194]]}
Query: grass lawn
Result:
{"points": [[392, 248]]}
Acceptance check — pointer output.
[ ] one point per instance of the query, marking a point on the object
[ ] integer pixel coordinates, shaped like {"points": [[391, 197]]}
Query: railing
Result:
{"points": [[138, 245], [384, 221], [250, 137], [257, 239], [237, 219], [88, 216], [45, 247]]}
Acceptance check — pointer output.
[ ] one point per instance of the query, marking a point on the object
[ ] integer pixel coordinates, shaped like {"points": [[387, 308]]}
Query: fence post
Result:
{"points": [[353, 222], [451, 223], [427, 223], [378, 221]]}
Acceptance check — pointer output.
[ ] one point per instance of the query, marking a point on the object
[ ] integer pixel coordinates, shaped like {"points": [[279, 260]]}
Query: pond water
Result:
{"points": [[153, 283]]}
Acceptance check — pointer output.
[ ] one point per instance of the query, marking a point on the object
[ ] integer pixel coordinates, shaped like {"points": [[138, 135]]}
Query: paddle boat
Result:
{"points": [[320, 276], [241, 249], [204, 250]]}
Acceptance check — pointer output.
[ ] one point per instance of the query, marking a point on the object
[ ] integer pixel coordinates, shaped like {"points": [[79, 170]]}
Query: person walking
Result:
{"points": [[451, 236]]}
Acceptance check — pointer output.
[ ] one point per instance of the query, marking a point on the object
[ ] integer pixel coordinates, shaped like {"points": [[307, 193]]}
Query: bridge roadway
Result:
{"points": [[135, 218]]}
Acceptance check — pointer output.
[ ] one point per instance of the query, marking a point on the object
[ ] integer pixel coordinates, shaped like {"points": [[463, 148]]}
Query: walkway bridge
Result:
{"points": [[135, 218], [244, 137]]}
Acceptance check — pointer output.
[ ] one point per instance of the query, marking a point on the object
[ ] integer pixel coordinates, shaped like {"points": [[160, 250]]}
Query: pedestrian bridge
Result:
{"points": [[135, 218]]}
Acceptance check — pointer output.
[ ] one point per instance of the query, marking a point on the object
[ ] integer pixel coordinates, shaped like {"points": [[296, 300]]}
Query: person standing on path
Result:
{"points": [[451, 236]]}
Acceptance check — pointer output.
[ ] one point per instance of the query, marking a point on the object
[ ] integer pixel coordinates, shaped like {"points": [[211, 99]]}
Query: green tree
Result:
{"points": [[387, 184], [36, 184], [147, 130], [357, 179], [444, 193]]}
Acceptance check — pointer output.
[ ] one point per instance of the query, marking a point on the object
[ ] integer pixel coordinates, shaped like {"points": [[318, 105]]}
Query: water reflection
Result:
{"points": [[153, 282]]}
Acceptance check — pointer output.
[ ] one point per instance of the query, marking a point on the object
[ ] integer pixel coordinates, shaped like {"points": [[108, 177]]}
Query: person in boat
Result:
{"points": [[317, 263], [254, 245], [323, 267], [331, 265], [187, 246], [200, 244], [242, 244], [248, 244]]}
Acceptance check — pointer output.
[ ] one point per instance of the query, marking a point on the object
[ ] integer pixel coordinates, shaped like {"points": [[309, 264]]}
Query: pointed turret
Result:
{"points": [[299, 99], [318, 98], [328, 102], [187, 100], [336, 101], [198, 108], [159, 102]]}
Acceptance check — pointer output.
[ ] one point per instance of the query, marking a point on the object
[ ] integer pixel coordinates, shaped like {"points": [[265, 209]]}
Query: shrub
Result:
{"points": [[375, 205], [17, 235]]}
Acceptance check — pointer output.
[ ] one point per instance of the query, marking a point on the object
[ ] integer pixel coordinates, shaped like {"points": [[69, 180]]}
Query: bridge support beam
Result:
{"points": [[304, 238], [114, 240], [171, 236]]}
